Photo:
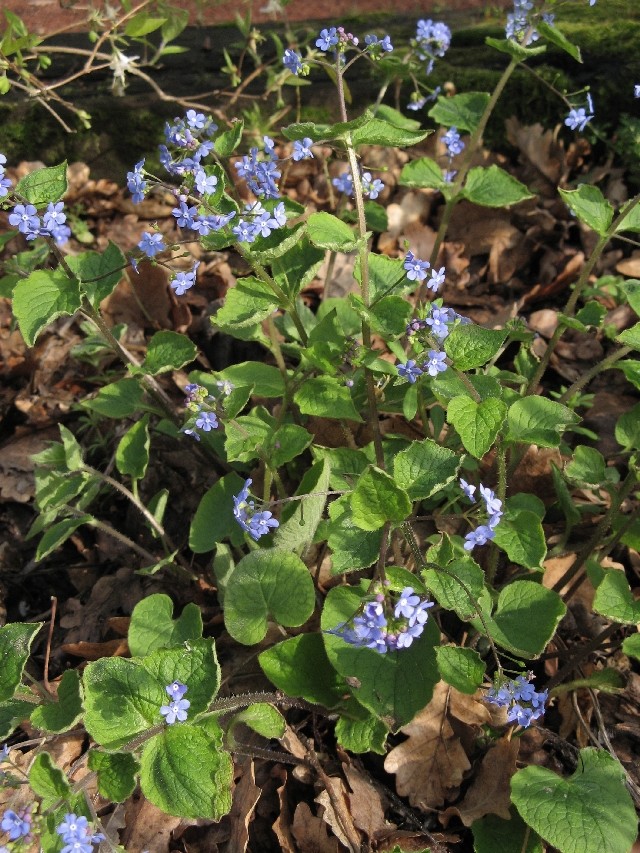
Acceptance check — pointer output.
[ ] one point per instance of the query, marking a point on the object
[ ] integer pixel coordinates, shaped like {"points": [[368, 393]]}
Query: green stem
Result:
{"points": [[617, 498], [501, 462], [572, 302], [363, 252], [585, 378], [474, 142]]}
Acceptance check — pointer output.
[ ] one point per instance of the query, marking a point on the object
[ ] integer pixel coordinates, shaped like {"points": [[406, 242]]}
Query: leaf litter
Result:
{"points": [[439, 777]]}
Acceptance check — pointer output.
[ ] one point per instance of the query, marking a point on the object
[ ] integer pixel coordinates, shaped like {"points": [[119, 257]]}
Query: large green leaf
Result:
{"points": [[61, 715], [521, 536], [249, 302], [168, 351], [463, 111], [537, 420], [461, 668], [352, 547], [590, 206], [267, 583], [477, 424], [377, 499], [41, 298], [615, 600], [493, 187], [457, 586], [526, 617], [395, 685], [326, 397], [98, 273], [44, 185], [470, 346], [328, 232], [214, 520], [47, 780], [424, 468], [380, 132], [185, 772], [116, 774], [15, 645], [123, 697], [299, 667], [153, 626], [420, 173], [590, 812], [299, 528], [132, 453]]}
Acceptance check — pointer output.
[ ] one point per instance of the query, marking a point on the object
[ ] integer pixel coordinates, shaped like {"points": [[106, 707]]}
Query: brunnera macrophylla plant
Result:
{"points": [[460, 601]]}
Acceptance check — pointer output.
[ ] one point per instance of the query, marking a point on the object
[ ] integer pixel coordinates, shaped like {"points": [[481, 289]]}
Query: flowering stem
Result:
{"points": [[363, 251], [501, 462], [407, 530], [572, 302], [617, 498], [474, 142]]}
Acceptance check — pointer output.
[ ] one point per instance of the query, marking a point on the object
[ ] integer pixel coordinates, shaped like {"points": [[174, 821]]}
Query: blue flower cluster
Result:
{"points": [[258, 222], [432, 40], [493, 506], [178, 706], [260, 173], [376, 48], [16, 824], [439, 320], [386, 626], [188, 139], [524, 704], [5, 183], [77, 835], [201, 407], [371, 187], [435, 364], [417, 271], [182, 281], [521, 22], [255, 522], [25, 218], [577, 119]]}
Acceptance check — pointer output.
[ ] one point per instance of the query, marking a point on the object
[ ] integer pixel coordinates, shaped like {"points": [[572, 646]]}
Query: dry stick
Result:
{"points": [[339, 808], [580, 655], [47, 652]]}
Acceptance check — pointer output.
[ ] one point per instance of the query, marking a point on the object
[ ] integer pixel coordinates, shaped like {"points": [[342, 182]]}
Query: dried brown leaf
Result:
{"points": [[245, 796], [430, 765], [366, 805], [310, 832], [490, 791], [147, 828]]}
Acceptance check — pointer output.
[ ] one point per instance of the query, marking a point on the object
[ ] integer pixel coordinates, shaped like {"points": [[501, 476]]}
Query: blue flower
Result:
{"points": [[409, 371], [407, 603], [176, 690], [182, 281], [480, 536], [73, 827], [467, 489], [17, 824], [328, 38], [453, 142], [416, 269], [136, 183], [578, 119], [436, 363], [206, 421], [175, 710], [292, 61], [636, 90], [344, 183], [493, 505], [195, 120], [25, 218], [437, 278], [370, 187], [151, 244], [384, 626], [205, 184], [254, 522], [185, 216], [302, 149], [520, 698]]}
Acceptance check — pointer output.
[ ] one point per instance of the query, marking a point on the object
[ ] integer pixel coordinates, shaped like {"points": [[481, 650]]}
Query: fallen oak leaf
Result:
{"points": [[490, 791], [430, 765]]}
